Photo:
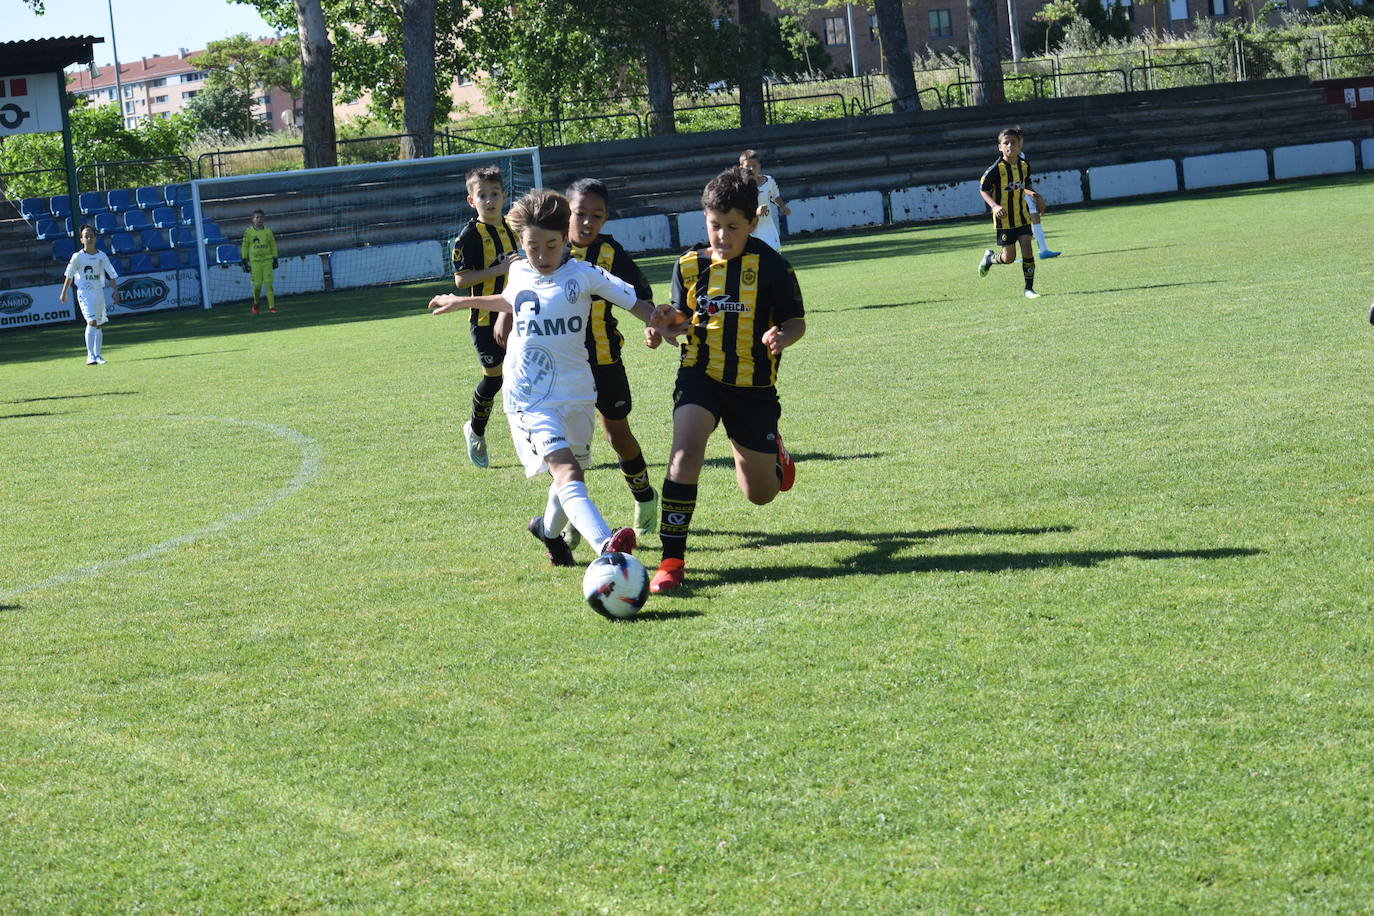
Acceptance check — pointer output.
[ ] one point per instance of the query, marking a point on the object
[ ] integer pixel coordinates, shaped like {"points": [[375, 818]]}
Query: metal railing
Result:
{"points": [[225, 163], [1150, 68], [1326, 60]]}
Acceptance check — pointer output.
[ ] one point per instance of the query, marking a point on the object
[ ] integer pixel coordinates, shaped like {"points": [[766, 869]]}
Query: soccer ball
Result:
{"points": [[616, 585]]}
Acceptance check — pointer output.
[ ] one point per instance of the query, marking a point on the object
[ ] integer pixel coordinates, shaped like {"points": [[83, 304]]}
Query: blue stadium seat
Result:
{"points": [[164, 217], [120, 200], [212, 234], [52, 229], [227, 254], [188, 213], [106, 223], [91, 202], [176, 193], [168, 260], [33, 208], [141, 264], [154, 240], [149, 198], [62, 249], [103, 244], [135, 220], [123, 243], [183, 237], [60, 206]]}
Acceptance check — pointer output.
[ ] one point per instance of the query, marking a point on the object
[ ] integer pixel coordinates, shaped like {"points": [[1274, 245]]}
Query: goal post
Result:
{"points": [[345, 226]]}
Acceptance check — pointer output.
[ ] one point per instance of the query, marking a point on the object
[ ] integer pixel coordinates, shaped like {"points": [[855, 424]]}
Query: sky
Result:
{"points": [[142, 27]]}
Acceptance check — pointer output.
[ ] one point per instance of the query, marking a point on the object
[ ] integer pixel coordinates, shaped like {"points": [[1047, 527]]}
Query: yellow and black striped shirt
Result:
{"points": [[732, 304], [1007, 183], [604, 340], [477, 247]]}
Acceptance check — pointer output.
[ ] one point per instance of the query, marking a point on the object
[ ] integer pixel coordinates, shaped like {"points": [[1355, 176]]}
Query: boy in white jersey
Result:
{"points": [[88, 269], [771, 209], [550, 396]]}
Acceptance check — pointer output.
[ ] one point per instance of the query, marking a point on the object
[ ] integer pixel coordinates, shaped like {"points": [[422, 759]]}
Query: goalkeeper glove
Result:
{"points": [[274, 263], [244, 265]]}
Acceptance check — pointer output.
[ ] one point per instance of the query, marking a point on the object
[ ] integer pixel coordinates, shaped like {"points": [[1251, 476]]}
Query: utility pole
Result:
{"points": [[853, 49], [119, 85], [1015, 26]]}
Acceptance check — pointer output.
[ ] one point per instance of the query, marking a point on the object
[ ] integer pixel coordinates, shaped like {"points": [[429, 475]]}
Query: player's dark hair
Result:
{"points": [[259, 212], [484, 173], [590, 186], [540, 209], [1016, 132], [732, 189], [749, 154], [82, 228]]}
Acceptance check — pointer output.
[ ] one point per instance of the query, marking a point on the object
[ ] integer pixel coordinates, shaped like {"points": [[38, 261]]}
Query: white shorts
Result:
{"points": [[92, 302], [539, 433]]}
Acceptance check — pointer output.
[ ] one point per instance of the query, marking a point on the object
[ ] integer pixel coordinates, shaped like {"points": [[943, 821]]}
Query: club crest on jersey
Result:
{"points": [[714, 305], [572, 289], [749, 276], [537, 375]]}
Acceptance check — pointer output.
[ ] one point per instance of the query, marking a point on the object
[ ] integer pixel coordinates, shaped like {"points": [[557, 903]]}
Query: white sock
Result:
{"points": [[1039, 233], [90, 343], [99, 340], [586, 518], [555, 519]]}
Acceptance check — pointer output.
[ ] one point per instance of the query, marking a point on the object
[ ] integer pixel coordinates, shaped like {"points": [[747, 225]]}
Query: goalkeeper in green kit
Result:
{"points": [[258, 255]]}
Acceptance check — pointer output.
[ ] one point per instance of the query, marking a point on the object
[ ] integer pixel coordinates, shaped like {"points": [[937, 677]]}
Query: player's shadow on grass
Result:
{"points": [[1127, 289], [145, 359], [69, 397], [656, 616], [886, 305], [20, 416], [728, 461], [882, 558], [755, 539]]}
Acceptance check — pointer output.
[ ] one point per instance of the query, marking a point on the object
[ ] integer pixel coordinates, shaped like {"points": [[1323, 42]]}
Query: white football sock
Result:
{"points": [[555, 519], [586, 518], [99, 341], [1039, 233], [90, 343]]}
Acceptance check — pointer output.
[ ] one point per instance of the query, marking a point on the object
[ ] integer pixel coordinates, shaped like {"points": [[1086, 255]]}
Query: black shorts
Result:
{"points": [[1007, 237], [750, 415], [612, 391], [489, 352]]}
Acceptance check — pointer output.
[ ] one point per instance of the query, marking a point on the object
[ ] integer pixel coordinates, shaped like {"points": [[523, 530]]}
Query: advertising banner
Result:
{"points": [[31, 305], [30, 104]]}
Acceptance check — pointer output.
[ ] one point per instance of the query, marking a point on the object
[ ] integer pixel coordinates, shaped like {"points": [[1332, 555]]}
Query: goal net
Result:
{"points": [[344, 227]]}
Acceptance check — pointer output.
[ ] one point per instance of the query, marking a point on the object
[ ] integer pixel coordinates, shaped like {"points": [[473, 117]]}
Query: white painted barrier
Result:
{"points": [[1158, 176], [641, 233], [1244, 167], [303, 274], [377, 264], [837, 211], [936, 201], [1059, 188], [1367, 154], [691, 229], [1314, 159]]}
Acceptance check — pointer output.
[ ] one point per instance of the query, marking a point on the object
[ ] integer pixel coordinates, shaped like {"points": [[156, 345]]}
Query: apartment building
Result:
{"points": [[162, 85]]}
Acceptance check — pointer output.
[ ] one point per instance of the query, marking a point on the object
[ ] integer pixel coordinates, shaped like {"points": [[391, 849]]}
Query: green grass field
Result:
{"points": [[1070, 610]]}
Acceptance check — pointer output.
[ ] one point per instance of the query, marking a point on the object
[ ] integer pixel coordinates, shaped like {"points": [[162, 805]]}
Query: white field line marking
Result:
{"points": [[312, 462]]}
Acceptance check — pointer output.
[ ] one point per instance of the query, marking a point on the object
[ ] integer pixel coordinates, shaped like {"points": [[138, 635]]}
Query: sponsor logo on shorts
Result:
{"points": [[15, 301], [143, 293]]}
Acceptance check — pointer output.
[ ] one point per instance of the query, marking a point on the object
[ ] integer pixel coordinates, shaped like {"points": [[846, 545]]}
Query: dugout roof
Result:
{"points": [[46, 55]]}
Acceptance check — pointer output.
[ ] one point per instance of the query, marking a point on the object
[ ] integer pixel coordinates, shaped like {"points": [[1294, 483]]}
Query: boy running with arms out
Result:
{"points": [[481, 256], [1004, 187], [258, 255], [771, 209], [736, 303], [87, 270], [552, 396], [589, 200]]}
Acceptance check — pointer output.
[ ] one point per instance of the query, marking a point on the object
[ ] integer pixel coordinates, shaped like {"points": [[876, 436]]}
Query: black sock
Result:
{"points": [[487, 390], [1028, 271], [679, 502], [637, 478]]}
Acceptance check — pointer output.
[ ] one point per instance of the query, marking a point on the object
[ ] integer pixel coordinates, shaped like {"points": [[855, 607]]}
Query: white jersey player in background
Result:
{"points": [[549, 395], [771, 208], [88, 269]]}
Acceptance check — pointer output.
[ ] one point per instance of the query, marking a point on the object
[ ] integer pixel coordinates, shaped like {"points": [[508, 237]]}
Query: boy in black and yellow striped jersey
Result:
{"points": [[736, 305], [1005, 187], [481, 258]]}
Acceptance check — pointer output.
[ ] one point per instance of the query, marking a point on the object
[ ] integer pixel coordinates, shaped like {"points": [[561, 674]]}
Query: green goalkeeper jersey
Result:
{"points": [[258, 245]]}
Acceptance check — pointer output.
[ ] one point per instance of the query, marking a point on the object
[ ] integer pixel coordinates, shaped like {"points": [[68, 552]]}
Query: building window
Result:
{"points": [[190, 95], [160, 100], [128, 92], [940, 24], [1178, 9], [195, 77], [872, 27], [128, 107], [264, 100], [464, 79], [158, 82], [834, 31], [1220, 7]]}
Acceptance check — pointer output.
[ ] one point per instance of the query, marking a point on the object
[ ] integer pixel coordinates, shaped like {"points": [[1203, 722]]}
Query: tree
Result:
{"points": [[417, 41], [249, 65], [317, 86], [223, 113], [751, 107], [984, 53], [901, 78]]}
